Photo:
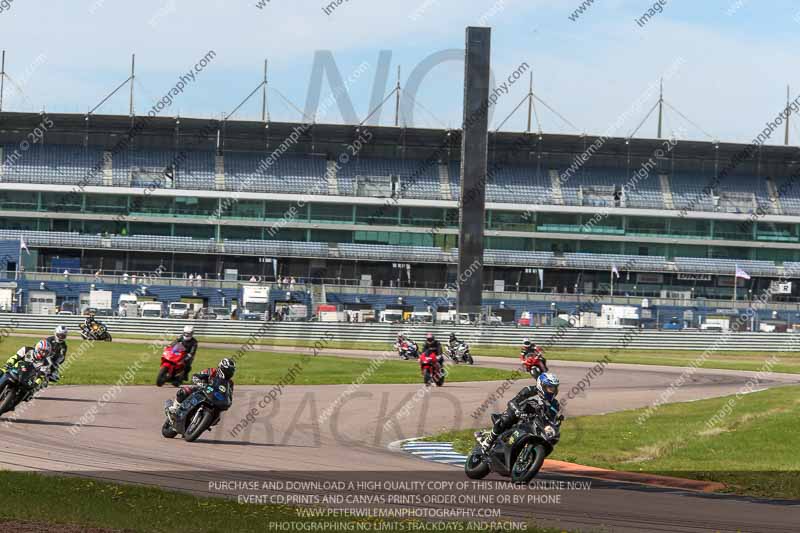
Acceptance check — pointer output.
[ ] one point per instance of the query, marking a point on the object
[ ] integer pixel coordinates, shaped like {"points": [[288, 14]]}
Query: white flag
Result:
{"points": [[741, 273], [23, 246], [614, 270]]}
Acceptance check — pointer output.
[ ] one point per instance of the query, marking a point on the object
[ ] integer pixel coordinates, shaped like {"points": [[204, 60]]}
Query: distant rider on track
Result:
{"points": [[190, 344]]}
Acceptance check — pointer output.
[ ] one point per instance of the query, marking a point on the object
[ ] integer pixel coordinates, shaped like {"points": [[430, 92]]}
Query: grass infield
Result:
{"points": [[103, 363], [747, 442]]}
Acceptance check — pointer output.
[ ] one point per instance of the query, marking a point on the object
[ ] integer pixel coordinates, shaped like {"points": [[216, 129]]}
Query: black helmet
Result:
{"points": [[429, 337], [452, 336], [227, 367]]}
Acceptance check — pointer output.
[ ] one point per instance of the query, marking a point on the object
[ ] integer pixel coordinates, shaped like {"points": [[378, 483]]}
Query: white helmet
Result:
{"points": [[188, 332], [61, 333]]}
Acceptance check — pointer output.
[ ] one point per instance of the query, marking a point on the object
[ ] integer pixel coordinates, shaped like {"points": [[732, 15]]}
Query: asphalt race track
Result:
{"points": [[297, 437]]}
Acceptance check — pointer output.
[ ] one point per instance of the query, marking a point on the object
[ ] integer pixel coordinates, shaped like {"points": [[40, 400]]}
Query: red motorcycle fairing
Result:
{"points": [[174, 359]]}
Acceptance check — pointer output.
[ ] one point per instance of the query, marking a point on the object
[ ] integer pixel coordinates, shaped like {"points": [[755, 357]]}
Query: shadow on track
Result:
{"points": [[242, 443], [83, 400], [54, 423]]}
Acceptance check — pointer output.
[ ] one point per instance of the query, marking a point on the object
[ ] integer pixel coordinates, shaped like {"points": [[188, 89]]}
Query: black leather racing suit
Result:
{"points": [[510, 416]]}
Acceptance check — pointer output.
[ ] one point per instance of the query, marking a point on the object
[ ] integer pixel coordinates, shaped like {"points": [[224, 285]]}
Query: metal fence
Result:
{"points": [[385, 333]]}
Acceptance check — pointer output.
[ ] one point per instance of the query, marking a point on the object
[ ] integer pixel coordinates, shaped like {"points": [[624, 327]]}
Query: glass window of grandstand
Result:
{"points": [[241, 233], [778, 256], [243, 209], [600, 247], [771, 231], [561, 222], [394, 238], [445, 241], [148, 228], [100, 227], [151, 205], [686, 250], [331, 236], [20, 200], [647, 226], [191, 206], [24, 223], [62, 201], [332, 213], [690, 228], [602, 223], [377, 215], [285, 234], [287, 210], [195, 231], [733, 229], [555, 246], [422, 216], [635, 248], [106, 203], [510, 220], [729, 252], [509, 243]]}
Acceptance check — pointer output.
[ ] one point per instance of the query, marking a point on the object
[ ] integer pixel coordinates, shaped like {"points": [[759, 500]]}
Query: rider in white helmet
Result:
{"points": [[190, 343], [58, 344]]}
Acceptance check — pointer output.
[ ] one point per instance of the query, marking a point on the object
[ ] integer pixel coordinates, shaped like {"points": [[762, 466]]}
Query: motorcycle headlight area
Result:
{"points": [[550, 432]]}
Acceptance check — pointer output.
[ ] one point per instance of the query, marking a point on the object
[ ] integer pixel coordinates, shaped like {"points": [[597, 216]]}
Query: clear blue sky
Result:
{"points": [[736, 57]]}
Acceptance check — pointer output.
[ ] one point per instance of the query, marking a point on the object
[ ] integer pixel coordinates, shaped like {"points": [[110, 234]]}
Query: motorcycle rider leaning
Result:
{"points": [[43, 351], [454, 342], [529, 349], [58, 345], [190, 343], [546, 389], [225, 369]]}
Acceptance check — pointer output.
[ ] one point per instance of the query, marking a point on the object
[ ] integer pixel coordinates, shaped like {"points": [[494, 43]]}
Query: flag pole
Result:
{"points": [[19, 261], [611, 276]]}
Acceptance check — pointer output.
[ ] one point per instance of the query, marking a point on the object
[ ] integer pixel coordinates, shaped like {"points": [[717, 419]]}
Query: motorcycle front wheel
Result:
{"points": [[198, 425], [528, 463], [475, 467], [7, 398], [162, 376], [167, 431], [426, 377]]}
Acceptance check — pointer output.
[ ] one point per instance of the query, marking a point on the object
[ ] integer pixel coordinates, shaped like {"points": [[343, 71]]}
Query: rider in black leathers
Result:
{"points": [[546, 389]]}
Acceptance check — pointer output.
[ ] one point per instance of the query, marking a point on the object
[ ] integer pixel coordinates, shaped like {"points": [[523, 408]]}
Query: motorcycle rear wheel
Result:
{"points": [[167, 430], [475, 467], [528, 463], [197, 428]]}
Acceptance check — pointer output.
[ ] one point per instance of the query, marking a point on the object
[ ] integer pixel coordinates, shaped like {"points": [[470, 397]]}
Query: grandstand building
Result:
{"points": [[332, 203]]}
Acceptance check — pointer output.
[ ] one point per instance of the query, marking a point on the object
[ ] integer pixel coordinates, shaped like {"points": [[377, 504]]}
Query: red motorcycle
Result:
{"points": [[173, 366], [432, 368], [535, 362]]}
